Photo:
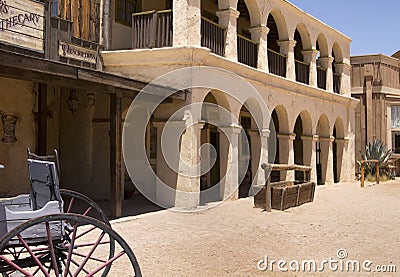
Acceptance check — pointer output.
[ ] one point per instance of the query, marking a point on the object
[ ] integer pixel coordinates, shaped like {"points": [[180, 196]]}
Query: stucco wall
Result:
{"points": [[18, 98]]}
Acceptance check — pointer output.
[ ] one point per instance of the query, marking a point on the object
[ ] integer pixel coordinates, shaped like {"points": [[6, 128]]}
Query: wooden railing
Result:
{"points": [[247, 51], [302, 72], [276, 63], [152, 29], [321, 77], [337, 78], [213, 36]]}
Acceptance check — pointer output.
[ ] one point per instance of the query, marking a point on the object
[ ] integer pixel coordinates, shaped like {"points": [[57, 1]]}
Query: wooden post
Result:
{"points": [[116, 155], [377, 173], [268, 188], [42, 120], [362, 174]]}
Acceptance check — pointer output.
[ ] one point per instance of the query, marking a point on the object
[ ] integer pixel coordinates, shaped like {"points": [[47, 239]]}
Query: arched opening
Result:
{"points": [[279, 118], [322, 47], [273, 158], [245, 151], [322, 149], [246, 48], [338, 149], [211, 156], [337, 58], [276, 61], [298, 148], [302, 68]]}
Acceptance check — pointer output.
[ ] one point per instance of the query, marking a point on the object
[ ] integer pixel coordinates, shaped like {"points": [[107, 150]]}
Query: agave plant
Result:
{"points": [[376, 150]]}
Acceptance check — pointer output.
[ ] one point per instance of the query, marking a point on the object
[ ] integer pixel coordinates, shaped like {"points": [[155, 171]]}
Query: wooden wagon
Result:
{"points": [[55, 232], [284, 194]]}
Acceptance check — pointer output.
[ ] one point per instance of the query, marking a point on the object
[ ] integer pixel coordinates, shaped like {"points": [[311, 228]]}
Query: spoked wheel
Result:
{"points": [[77, 203], [40, 247]]}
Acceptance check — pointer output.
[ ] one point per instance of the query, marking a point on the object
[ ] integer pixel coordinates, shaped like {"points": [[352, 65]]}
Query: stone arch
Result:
{"points": [[338, 149], [305, 137], [322, 45], [322, 149], [280, 123], [279, 18], [220, 99], [337, 53], [283, 118], [252, 7], [305, 36]]}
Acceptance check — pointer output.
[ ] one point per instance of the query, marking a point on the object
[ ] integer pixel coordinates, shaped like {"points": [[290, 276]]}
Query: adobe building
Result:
{"points": [[376, 82], [72, 87]]}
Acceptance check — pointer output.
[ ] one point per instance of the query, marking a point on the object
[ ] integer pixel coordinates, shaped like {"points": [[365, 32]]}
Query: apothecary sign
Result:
{"points": [[22, 23]]}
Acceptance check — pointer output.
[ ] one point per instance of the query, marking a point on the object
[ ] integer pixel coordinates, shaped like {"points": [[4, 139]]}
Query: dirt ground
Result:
{"points": [[231, 238]]}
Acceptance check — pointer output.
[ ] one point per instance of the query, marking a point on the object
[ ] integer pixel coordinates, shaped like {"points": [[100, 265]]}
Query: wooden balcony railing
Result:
{"points": [[213, 36], [337, 78], [152, 29], [247, 51], [276, 63], [302, 72], [321, 77]]}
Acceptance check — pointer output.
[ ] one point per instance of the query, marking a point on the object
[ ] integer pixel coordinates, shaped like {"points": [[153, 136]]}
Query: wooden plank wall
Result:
{"points": [[85, 15]]}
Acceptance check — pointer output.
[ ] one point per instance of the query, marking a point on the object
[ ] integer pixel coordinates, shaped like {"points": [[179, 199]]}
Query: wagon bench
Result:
{"points": [[284, 194]]}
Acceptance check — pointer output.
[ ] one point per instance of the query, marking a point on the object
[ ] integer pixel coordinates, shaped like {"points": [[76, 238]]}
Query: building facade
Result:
{"points": [[299, 66], [376, 83]]}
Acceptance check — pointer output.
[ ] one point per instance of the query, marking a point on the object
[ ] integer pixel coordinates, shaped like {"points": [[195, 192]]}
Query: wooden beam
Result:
{"points": [[42, 120], [116, 154]]}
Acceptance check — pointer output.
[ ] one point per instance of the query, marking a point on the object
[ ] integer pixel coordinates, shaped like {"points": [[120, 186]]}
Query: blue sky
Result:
{"points": [[374, 26]]}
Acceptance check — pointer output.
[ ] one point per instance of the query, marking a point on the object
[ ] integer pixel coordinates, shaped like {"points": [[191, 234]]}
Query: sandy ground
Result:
{"points": [[230, 239]]}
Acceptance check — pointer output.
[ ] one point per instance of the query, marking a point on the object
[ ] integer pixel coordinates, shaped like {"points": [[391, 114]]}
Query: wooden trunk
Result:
{"points": [[285, 196]]}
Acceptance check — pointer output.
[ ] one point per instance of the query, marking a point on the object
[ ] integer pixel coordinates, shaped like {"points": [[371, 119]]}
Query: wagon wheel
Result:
{"points": [[38, 248], [77, 203]]}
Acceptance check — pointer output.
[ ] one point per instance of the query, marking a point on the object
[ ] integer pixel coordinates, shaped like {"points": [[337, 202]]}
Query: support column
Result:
{"points": [[315, 139], [186, 20], [116, 155], [286, 153], [229, 143], [326, 62], [259, 154], [188, 179], [287, 49], [344, 69], [228, 19], [329, 164], [310, 57], [42, 121], [260, 35]]}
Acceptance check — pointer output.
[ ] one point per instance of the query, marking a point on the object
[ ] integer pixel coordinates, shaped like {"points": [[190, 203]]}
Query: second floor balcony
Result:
{"points": [[261, 47]]}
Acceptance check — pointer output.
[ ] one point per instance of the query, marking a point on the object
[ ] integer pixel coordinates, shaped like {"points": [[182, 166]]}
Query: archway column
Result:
{"points": [[344, 69], [328, 141], [286, 154], [260, 35], [186, 22], [229, 145], [326, 62], [287, 49], [310, 57], [340, 142], [259, 154], [228, 19], [310, 154]]}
